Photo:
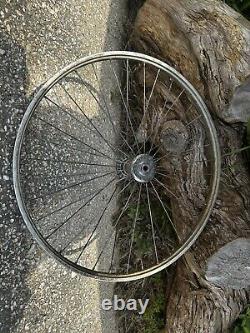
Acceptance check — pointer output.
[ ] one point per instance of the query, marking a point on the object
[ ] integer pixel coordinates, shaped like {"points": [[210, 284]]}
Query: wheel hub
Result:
{"points": [[143, 168]]}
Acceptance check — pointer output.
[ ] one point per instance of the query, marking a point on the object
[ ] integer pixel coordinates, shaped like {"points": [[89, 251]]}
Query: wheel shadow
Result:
{"points": [[15, 241], [115, 40]]}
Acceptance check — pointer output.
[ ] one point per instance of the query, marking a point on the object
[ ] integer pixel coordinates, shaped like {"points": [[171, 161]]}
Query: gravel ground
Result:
{"points": [[38, 38]]}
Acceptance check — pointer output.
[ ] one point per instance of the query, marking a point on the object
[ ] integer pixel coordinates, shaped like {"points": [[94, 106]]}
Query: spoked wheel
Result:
{"points": [[105, 157]]}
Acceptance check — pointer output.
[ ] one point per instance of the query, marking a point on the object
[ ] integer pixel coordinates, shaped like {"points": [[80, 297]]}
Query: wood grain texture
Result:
{"points": [[209, 44], [230, 266]]}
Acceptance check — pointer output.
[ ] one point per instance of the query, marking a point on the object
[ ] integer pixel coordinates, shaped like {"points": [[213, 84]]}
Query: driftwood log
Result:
{"points": [[209, 44]]}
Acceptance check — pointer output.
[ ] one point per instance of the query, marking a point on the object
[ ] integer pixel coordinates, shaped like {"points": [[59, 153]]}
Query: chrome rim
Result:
{"points": [[89, 165]]}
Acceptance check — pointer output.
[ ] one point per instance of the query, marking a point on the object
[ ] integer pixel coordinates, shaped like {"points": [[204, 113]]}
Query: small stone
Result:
{"points": [[238, 110], [2, 52], [230, 266], [73, 274]]}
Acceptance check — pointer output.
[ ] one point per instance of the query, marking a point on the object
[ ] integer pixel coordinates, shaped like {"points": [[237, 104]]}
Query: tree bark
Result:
{"points": [[209, 44]]}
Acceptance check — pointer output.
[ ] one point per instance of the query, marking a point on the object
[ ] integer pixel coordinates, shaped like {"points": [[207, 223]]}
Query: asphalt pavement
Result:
{"points": [[37, 39]]}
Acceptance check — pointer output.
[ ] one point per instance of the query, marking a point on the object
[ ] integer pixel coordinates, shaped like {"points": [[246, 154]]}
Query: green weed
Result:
{"points": [[154, 316], [242, 325], [241, 6]]}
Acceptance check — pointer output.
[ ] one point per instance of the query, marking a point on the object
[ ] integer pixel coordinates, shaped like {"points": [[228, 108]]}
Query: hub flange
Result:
{"points": [[143, 168]]}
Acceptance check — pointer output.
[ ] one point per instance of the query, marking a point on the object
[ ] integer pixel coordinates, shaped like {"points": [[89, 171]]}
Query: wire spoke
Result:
{"points": [[197, 147], [166, 100], [85, 181], [86, 85], [174, 103], [184, 152], [69, 175], [159, 116], [89, 120], [134, 225], [107, 112], [152, 224], [70, 162], [165, 116], [125, 207], [99, 221], [127, 111], [148, 102], [113, 253], [61, 208], [162, 174], [144, 102], [164, 208], [193, 120], [79, 209], [127, 81], [48, 99], [167, 189], [74, 138], [203, 161], [127, 100], [162, 157], [62, 145], [152, 90]]}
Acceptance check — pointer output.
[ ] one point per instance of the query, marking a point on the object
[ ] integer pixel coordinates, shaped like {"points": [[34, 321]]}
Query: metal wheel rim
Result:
{"points": [[16, 164]]}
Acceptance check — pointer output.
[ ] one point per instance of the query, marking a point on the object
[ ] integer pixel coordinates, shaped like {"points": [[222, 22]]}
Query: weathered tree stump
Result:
{"points": [[209, 44]]}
